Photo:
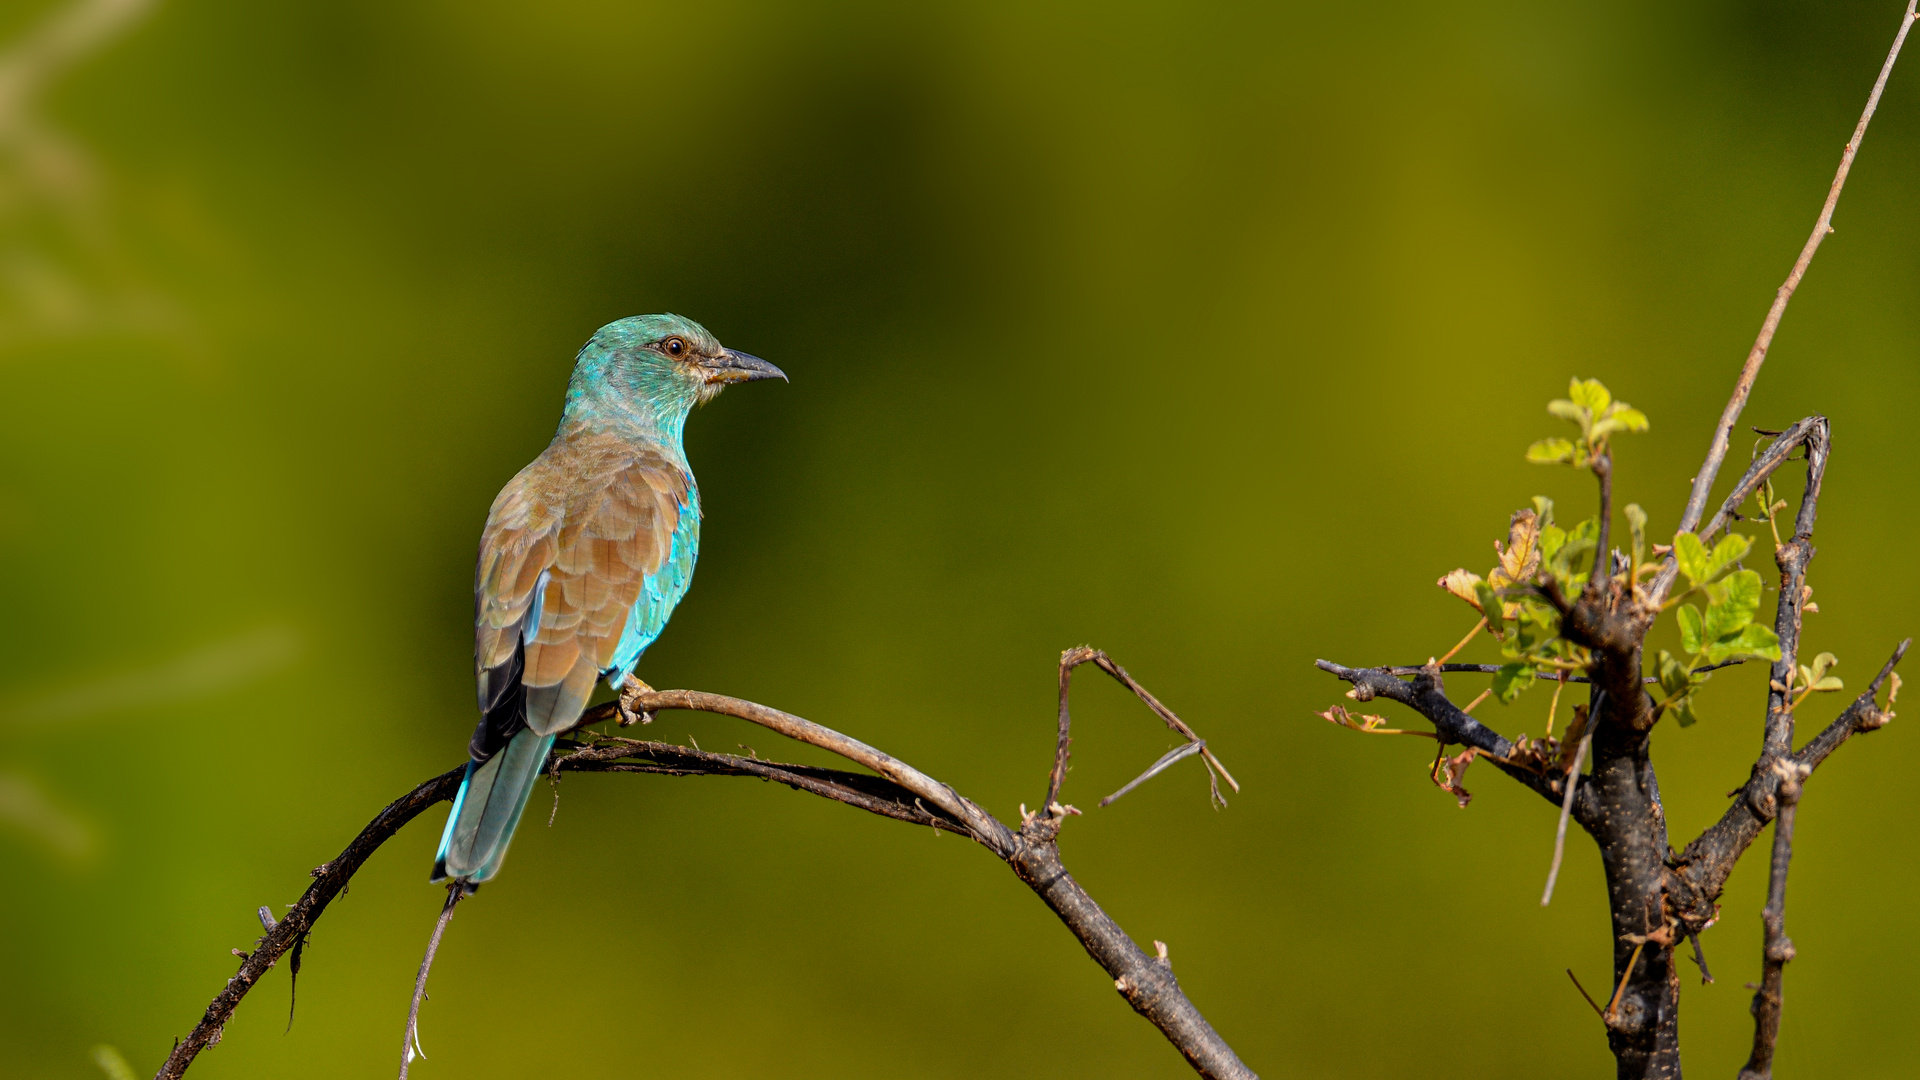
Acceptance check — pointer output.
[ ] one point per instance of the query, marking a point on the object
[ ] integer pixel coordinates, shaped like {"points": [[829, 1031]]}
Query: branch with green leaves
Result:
{"points": [[1562, 606]]}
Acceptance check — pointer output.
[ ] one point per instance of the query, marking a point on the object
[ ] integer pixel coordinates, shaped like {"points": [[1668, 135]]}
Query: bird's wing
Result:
{"points": [[566, 556]]}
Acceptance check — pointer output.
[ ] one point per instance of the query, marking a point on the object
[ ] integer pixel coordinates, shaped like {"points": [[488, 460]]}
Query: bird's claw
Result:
{"points": [[627, 705]]}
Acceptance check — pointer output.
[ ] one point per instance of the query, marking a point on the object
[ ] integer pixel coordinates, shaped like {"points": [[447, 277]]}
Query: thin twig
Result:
{"points": [[1471, 634], [1594, 1005], [1602, 571], [1566, 811], [1083, 654], [1776, 948], [1723, 432], [1494, 669], [410, 1043], [1700, 959], [1612, 1006], [1184, 750]]}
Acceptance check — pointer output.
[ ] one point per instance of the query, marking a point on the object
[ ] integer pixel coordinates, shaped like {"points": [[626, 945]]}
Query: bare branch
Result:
{"points": [[1778, 453], [1426, 695], [1723, 432], [900, 792], [1700, 872], [1792, 559], [1859, 717], [1073, 658], [1777, 948], [290, 932], [989, 830], [1548, 676]]}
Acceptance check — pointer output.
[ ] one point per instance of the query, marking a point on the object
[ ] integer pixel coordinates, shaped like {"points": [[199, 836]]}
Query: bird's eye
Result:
{"points": [[674, 346]]}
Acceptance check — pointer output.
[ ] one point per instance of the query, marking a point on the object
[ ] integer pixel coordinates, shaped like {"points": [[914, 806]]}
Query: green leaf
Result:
{"points": [[1735, 600], [1550, 452], [1590, 395], [1674, 678], [1637, 524], [1510, 681], [1731, 549], [1693, 557], [1552, 539], [1490, 606], [1690, 629], [1578, 542], [1543, 509], [1822, 664], [1567, 410], [1682, 711], [1627, 418], [1828, 684], [1753, 642]]}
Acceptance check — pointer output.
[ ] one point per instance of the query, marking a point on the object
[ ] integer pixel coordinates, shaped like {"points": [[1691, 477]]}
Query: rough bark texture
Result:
{"points": [[1657, 898]]}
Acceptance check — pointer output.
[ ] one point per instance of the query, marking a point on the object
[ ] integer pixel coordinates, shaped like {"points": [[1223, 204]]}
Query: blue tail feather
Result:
{"points": [[488, 808]]}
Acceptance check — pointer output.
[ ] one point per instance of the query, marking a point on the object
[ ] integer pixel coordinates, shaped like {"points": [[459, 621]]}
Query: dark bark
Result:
{"points": [[1656, 898], [290, 933]]}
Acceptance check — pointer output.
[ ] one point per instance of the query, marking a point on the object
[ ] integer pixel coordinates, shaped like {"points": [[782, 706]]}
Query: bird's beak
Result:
{"points": [[733, 367]]}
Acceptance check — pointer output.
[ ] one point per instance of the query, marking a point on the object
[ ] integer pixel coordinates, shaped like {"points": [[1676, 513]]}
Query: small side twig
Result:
{"points": [[1566, 812], [1822, 226], [1184, 750], [410, 1043], [1073, 658], [1700, 959]]}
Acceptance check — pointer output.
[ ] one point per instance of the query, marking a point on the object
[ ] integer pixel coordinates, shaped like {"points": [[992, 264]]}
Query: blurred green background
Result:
{"points": [[1210, 335]]}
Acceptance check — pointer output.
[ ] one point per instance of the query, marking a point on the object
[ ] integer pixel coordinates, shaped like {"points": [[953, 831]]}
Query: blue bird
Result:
{"points": [[584, 556]]}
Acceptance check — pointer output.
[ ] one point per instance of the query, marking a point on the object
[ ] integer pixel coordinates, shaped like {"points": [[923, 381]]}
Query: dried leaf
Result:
{"points": [[1447, 772], [1463, 585], [1520, 559]]}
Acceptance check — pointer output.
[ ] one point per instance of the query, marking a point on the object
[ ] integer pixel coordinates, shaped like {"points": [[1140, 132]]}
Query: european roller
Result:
{"points": [[584, 556]]}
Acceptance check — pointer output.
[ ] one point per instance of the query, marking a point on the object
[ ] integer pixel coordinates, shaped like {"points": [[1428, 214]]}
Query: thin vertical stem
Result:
{"points": [[1723, 432], [410, 1044]]}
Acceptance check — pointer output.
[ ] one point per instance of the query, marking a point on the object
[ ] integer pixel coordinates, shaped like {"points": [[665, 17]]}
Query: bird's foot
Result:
{"points": [[629, 703]]}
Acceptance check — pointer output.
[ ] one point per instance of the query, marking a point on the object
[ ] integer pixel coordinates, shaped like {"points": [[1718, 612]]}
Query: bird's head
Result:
{"points": [[659, 365]]}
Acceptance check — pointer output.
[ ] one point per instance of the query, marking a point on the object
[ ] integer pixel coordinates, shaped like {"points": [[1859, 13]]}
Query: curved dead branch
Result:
{"points": [[899, 791]]}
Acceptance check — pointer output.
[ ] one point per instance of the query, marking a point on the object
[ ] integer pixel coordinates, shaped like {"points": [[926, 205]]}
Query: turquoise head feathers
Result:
{"points": [[651, 370]]}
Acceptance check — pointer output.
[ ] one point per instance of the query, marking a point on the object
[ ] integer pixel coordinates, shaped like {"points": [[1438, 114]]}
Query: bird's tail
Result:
{"points": [[487, 809]]}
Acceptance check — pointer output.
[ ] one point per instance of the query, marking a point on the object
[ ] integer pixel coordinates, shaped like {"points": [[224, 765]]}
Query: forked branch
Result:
{"points": [[1822, 226], [899, 791]]}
